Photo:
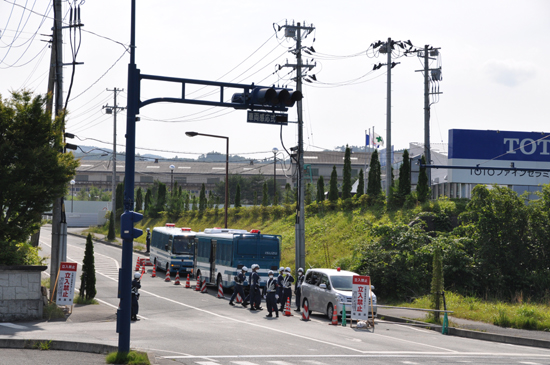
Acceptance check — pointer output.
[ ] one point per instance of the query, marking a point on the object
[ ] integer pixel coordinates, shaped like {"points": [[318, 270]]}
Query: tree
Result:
{"points": [[174, 208], [288, 194], [333, 186], [361, 184], [194, 203], [148, 200], [346, 177], [374, 185], [309, 192], [139, 199], [255, 201], [161, 197], [404, 188], [276, 198], [238, 196], [119, 200], [202, 199], [87, 279], [33, 169], [265, 195], [422, 187], [320, 189], [111, 234]]}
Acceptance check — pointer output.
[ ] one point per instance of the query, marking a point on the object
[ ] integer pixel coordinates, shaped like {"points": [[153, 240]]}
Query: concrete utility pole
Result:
{"points": [[114, 110], [389, 176], [292, 31]]}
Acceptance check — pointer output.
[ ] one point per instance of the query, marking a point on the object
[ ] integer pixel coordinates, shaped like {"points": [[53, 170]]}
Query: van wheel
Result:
{"points": [[330, 311], [305, 303]]}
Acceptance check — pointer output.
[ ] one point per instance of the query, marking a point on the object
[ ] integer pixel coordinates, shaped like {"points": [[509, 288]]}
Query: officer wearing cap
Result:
{"points": [[148, 240], [298, 289], [136, 285], [271, 296], [287, 288], [280, 279], [239, 281]]}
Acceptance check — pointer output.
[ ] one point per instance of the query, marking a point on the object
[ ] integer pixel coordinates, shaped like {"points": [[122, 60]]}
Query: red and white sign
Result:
{"points": [[66, 283], [360, 303]]}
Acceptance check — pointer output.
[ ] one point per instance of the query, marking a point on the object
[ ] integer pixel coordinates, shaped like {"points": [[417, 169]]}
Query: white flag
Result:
{"points": [[377, 140]]}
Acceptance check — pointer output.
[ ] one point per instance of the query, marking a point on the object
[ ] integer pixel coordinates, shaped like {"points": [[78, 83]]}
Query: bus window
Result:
{"points": [[182, 245], [268, 247], [247, 247]]}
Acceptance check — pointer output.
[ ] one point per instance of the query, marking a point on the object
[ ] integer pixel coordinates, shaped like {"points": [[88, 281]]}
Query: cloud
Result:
{"points": [[509, 72]]}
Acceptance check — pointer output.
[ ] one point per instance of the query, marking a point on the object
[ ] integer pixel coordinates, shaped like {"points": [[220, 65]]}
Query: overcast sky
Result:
{"points": [[494, 58]]}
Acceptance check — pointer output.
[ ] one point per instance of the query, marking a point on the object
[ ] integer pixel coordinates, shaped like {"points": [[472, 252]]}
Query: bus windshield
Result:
{"points": [[182, 245]]}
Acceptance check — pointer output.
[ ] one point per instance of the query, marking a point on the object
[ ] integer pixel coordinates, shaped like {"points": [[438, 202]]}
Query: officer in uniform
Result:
{"points": [[271, 296], [280, 279], [298, 289], [148, 240], [239, 281], [136, 285], [254, 280], [287, 288]]}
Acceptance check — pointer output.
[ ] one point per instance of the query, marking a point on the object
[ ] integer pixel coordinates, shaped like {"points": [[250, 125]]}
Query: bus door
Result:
{"points": [[213, 244], [195, 260]]}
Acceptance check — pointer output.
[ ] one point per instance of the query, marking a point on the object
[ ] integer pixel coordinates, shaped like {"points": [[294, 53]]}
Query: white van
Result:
{"points": [[324, 288]]}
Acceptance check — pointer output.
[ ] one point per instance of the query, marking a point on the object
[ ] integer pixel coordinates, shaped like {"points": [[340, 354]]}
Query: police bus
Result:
{"points": [[221, 253], [173, 248]]}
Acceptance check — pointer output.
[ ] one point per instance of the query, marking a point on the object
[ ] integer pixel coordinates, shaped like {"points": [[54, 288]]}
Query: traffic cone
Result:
{"points": [[138, 264], [198, 287], [239, 300], [167, 278], [287, 308], [142, 269], [203, 287], [154, 275], [220, 291], [334, 317], [187, 283], [177, 282], [305, 312]]}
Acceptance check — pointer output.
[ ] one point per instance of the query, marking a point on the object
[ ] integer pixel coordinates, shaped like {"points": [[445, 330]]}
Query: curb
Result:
{"points": [[107, 243], [95, 348], [484, 336]]}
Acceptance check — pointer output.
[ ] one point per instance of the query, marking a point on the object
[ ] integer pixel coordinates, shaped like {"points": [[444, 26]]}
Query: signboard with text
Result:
{"points": [[360, 304], [66, 283], [267, 118]]}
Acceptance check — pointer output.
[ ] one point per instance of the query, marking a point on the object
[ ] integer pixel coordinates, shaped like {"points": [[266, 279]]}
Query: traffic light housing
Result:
{"points": [[127, 220], [269, 98]]}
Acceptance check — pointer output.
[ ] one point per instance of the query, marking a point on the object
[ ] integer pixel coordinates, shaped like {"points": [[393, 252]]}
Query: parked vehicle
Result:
{"points": [[325, 289], [173, 248]]}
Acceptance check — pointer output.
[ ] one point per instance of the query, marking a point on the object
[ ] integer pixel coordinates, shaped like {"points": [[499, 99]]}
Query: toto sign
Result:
{"points": [[499, 149]]}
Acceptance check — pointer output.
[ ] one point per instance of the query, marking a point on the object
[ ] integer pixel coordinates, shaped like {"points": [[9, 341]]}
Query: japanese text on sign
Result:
{"points": [[66, 283], [267, 118], [360, 302]]}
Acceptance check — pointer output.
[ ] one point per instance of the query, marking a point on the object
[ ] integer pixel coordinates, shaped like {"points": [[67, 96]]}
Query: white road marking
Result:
{"points": [[409, 362], [279, 362], [14, 326], [313, 362], [371, 354], [243, 363], [529, 363], [207, 363]]}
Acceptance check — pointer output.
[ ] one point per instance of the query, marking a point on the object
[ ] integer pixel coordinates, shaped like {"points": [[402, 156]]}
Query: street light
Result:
{"points": [[72, 194], [193, 134], [275, 150], [172, 167]]}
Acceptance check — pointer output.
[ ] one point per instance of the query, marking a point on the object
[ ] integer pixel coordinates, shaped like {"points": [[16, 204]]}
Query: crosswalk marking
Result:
{"points": [[207, 363], [279, 362], [243, 363]]}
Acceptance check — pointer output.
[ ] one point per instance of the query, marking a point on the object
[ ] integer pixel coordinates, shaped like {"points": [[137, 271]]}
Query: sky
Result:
{"points": [[493, 54]]}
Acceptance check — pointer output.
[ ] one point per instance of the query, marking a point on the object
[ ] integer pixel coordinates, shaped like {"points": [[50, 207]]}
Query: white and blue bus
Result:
{"points": [[221, 253], [173, 248]]}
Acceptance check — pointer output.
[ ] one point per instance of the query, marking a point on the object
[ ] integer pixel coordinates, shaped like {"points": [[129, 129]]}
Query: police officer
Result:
{"points": [[254, 280], [136, 285], [280, 279], [271, 296], [287, 288], [239, 281], [298, 289], [148, 240]]}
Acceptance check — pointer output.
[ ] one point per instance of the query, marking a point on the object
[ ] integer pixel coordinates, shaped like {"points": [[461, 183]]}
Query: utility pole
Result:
{"points": [[389, 176], [113, 109], [295, 31]]}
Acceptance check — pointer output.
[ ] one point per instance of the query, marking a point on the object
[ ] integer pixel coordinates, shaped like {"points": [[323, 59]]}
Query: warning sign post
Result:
{"points": [[66, 283], [361, 304]]}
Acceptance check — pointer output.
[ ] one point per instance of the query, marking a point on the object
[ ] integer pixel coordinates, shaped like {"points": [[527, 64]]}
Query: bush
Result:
{"points": [[20, 254]]}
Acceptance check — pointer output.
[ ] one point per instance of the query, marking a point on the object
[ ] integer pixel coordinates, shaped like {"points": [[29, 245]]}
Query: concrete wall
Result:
{"points": [[20, 292]]}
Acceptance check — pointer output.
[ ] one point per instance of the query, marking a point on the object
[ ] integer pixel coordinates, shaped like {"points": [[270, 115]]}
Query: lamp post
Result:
{"points": [[72, 194], [275, 150], [193, 134], [172, 167]]}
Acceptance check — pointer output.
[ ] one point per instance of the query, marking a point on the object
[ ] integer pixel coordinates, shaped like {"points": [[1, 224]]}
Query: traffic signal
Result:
{"points": [[127, 220], [266, 98]]}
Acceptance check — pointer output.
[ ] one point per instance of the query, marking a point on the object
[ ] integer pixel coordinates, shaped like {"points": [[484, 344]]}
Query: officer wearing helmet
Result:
{"points": [[136, 285], [148, 240], [298, 289], [239, 281], [280, 279], [271, 296], [254, 297], [287, 288]]}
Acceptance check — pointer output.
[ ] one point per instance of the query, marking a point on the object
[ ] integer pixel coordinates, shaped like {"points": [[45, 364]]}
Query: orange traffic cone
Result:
{"points": [[154, 275], [287, 308], [187, 283], [142, 269], [167, 278], [239, 300], [138, 264], [220, 291], [203, 287], [334, 316], [198, 287], [177, 282], [305, 312]]}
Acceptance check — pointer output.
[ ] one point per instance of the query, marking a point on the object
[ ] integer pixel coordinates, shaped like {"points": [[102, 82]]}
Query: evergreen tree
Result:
{"points": [[320, 189], [265, 195], [333, 187], [361, 184], [195, 206], [405, 176], [255, 200], [374, 185], [217, 201], [139, 199], [422, 187], [276, 198], [111, 235], [346, 178], [309, 192], [186, 201], [119, 200], [87, 279], [437, 282], [288, 194], [238, 196], [202, 199], [148, 200], [161, 197]]}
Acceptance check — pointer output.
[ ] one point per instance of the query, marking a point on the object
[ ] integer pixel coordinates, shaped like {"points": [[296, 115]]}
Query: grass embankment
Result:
{"points": [[520, 315]]}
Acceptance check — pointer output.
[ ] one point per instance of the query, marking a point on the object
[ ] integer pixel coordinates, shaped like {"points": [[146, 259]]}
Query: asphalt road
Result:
{"points": [[183, 326]]}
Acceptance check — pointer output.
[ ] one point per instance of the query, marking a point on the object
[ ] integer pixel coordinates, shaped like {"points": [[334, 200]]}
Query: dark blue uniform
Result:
{"points": [[254, 293], [148, 240], [280, 279], [287, 291], [298, 291], [270, 292], [239, 281], [136, 285]]}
